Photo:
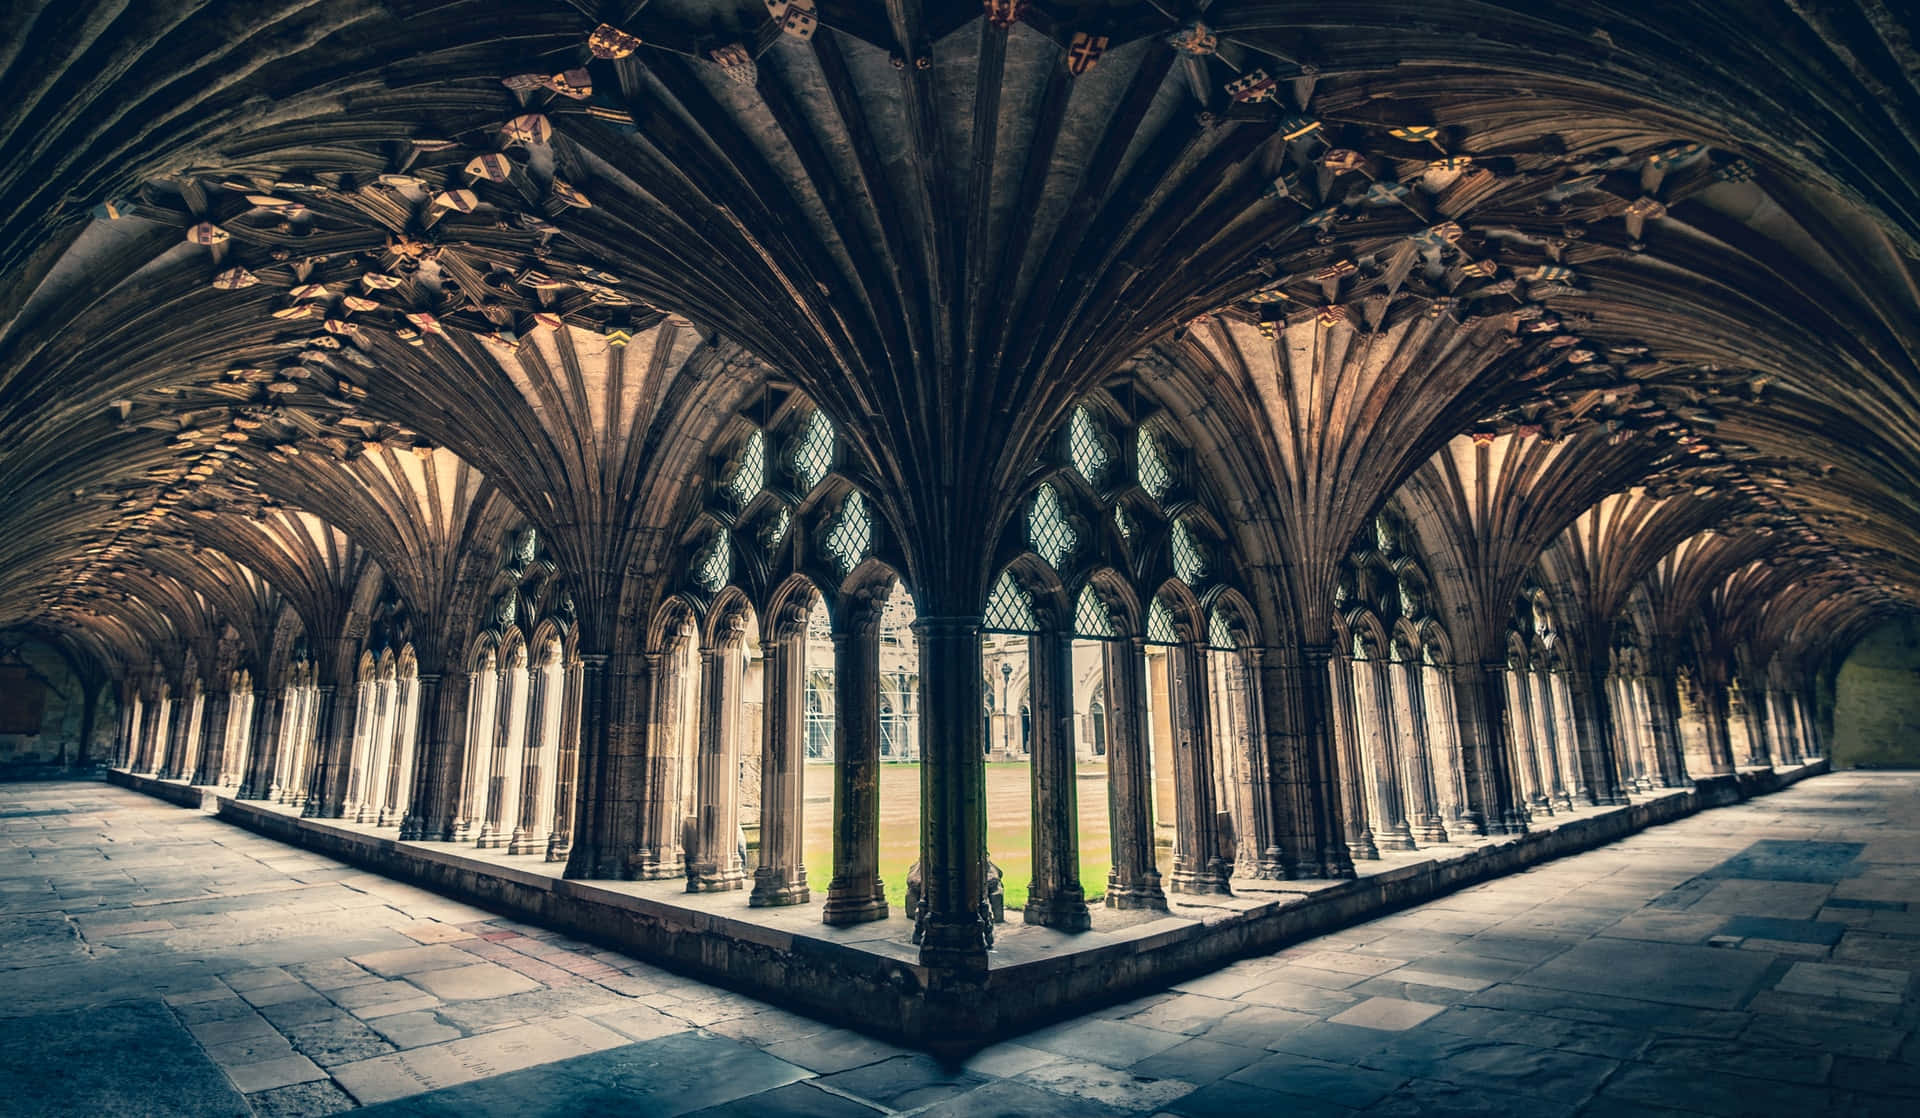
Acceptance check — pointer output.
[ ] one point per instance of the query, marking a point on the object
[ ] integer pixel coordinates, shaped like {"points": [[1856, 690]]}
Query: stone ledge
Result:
{"points": [[868, 981]]}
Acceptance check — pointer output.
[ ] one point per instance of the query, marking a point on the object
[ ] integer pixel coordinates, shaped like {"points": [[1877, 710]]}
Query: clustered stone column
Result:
{"points": [[1198, 863], [954, 925], [856, 893], [1134, 881], [714, 862], [1055, 898], [781, 878]]}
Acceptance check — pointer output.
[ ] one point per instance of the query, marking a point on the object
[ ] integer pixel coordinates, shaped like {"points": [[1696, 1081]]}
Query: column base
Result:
{"points": [[1066, 914], [1430, 831], [1144, 895], [955, 945], [848, 903], [772, 892], [490, 839], [1363, 847], [715, 881], [648, 866], [1210, 881], [1399, 838], [558, 848], [523, 843]]}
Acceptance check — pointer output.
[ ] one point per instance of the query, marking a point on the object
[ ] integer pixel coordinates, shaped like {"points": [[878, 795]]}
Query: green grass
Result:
{"points": [[1009, 841]]}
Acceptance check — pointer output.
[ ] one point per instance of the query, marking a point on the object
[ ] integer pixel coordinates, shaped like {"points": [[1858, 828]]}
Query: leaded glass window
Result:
{"points": [[1156, 473], [1123, 522], [1219, 633], [1160, 628], [1189, 562], [813, 451], [1047, 528], [1088, 449], [1091, 617], [851, 534], [1009, 610], [749, 469], [714, 564]]}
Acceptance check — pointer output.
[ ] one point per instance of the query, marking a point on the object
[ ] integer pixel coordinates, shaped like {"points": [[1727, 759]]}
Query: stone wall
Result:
{"points": [[42, 708], [1876, 714]]}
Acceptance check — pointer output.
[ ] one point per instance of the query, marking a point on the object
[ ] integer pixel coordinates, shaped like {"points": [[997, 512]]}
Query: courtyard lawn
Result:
{"points": [[1008, 829]]}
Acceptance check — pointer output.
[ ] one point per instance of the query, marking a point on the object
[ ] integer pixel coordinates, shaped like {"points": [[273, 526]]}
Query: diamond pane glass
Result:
{"points": [[1188, 560], [1009, 610], [714, 565], [813, 452], [1160, 628], [1219, 633], [1047, 528], [851, 534], [1156, 474], [1091, 617], [1089, 450], [750, 469]]}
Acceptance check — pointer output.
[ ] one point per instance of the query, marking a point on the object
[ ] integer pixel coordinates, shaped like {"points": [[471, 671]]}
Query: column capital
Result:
{"points": [[949, 626]]}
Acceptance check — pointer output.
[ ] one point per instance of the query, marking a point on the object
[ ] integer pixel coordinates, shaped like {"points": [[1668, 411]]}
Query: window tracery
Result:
{"points": [[1052, 537]]}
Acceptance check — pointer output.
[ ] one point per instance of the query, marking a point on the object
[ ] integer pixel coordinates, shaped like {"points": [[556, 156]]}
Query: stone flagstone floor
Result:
{"points": [[1757, 959]]}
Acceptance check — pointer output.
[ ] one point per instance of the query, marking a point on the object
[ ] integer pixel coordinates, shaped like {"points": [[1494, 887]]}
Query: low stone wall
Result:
{"points": [[951, 1012], [172, 791]]}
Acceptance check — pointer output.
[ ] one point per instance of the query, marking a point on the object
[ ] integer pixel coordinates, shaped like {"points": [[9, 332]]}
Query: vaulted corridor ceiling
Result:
{"points": [[286, 288]]}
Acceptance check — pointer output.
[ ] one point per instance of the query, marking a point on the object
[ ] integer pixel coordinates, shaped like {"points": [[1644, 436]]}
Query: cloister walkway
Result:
{"points": [[1755, 959]]}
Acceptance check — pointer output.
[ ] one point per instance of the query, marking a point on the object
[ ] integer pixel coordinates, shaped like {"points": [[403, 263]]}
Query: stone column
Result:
{"points": [[1806, 722], [1320, 798], [1663, 731], [566, 765], [123, 737], [263, 744], [1255, 856], [528, 833], [1713, 708], [211, 753], [714, 863], [1373, 716], [1198, 862], [335, 729], [607, 772], [174, 760], [1519, 707], [1411, 724], [856, 893], [1351, 766], [1600, 749], [396, 786], [501, 794], [1134, 881], [954, 926], [157, 722], [1567, 735], [468, 807], [1489, 765], [367, 786], [1753, 721], [1055, 899], [781, 878], [1545, 732], [1443, 746], [439, 741], [1780, 727], [661, 815]]}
